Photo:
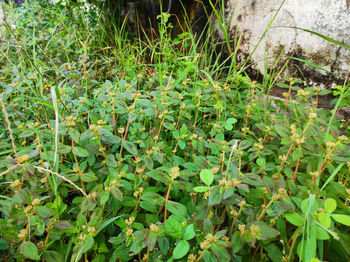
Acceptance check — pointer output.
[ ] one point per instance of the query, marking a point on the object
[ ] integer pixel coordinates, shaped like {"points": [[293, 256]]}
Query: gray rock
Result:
{"points": [[327, 17]]}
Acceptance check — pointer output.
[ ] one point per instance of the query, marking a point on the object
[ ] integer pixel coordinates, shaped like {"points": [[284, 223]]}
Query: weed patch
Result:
{"points": [[141, 151]]}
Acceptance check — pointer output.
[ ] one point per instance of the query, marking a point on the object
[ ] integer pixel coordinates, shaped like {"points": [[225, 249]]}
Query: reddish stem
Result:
{"points": [[296, 170]]}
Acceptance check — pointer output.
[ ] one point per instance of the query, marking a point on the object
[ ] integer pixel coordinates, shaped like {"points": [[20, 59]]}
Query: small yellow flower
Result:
{"points": [[129, 232], [312, 116], [121, 130], [175, 172], [254, 230], [91, 230], [154, 228], [205, 244], [22, 234], [36, 202], [23, 158], [241, 228]]}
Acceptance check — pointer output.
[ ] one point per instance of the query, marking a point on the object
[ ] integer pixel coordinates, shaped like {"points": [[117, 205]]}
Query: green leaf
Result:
{"points": [[159, 175], [330, 205], [129, 202], [79, 151], [342, 219], [229, 123], [207, 176], [182, 144], [220, 252], [148, 206], [261, 162], [89, 242], [107, 222], [104, 197], [322, 234], [274, 253], [153, 198], [209, 257], [266, 232], [163, 244], [63, 149], [117, 193], [176, 208], [282, 130], [29, 250], [294, 218], [74, 134], [52, 256], [173, 228], [189, 232], [181, 249], [183, 130], [88, 177], [43, 211], [130, 147], [237, 242], [324, 219], [151, 240], [26, 133], [108, 137], [215, 197], [201, 189]]}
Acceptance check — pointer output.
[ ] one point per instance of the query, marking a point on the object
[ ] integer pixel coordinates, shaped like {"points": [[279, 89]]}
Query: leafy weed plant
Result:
{"points": [[107, 156]]}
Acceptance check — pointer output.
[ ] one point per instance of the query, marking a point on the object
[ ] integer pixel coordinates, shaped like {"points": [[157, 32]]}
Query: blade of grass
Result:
{"points": [[329, 39]]}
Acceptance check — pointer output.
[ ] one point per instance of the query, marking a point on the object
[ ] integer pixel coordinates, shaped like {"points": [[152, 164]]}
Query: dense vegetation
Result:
{"points": [[127, 150]]}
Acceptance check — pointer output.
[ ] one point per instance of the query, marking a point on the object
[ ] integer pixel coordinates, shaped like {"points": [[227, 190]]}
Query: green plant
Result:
{"points": [[141, 152]]}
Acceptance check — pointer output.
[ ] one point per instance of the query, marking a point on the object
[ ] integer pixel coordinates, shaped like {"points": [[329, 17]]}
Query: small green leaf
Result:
{"points": [[163, 244], [182, 144], [342, 219], [207, 176], [229, 123], [324, 219], [216, 195], [43, 211], [294, 218], [266, 232], [104, 197], [181, 249], [322, 234], [176, 208], [159, 175], [220, 252], [330, 205], [130, 147], [189, 232], [107, 222], [237, 242], [201, 189], [79, 151], [173, 228], [117, 193], [261, 162], [274, 253], [153, 198], [88, 177], [89, 242], [74, 134], [63, 149], [29, 250], [183, 130]]}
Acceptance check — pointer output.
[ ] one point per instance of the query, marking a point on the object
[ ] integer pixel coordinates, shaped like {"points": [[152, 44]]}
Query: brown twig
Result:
{"points": [[9, 127]]}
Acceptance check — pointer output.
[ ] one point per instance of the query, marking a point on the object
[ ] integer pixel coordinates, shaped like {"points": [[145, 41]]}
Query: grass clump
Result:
{"points": [[139, 151]]}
